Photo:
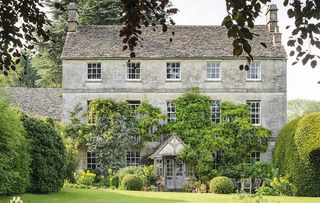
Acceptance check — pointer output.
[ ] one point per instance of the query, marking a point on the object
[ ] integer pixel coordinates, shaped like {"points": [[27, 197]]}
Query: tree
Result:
{"points": [[135, 14], [47, 60], [300, 107]]}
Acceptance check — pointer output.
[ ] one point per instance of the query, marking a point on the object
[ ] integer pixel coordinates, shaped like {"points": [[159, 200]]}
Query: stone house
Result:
{"points": [[94, 66]]}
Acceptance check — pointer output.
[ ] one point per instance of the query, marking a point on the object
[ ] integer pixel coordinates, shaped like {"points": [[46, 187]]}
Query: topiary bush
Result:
{"points": [[131, 182], [14, 153], [48, 155], [221, 185], [297, 152]]}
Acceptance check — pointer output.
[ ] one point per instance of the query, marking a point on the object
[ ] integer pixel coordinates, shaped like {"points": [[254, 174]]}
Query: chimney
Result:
{"points": [[272, 17], [277, 37], [73, 16]]}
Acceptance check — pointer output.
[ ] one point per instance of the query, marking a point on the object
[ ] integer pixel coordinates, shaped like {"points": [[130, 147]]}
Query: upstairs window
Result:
{"points": [[215, 111], [133, 71], [133, 158], [213, 71], [173, 71], [254, 72], [91, 160], [133, 106], [94, 71], [255, 112], [171, 112]]}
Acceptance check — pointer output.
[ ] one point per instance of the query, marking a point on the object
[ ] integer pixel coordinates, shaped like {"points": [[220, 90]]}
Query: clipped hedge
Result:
{"points": [[221, 185], [14, 154], [297, 153], [131, 182], [48, 155]]}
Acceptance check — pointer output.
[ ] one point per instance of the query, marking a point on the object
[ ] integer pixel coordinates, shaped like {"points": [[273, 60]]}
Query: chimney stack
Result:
{"points": [[73, 16], [272, 17], [272, 24]]}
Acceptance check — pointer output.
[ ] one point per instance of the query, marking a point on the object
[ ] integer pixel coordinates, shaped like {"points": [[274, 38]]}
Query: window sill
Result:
{"points": [[253, 80], [256, 124], [133, 80], [173, 80], [93, 80], [213, 80]]}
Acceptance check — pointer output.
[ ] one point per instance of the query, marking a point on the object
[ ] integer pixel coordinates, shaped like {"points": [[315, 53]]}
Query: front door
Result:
{"points": [[174, 173]]}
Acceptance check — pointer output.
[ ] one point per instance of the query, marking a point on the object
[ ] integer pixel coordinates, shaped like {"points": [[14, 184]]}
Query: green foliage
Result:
{"points": [[48, 155], [131, 182], [297, 153], [85, 178], [190, 185], [278, 186], [14, 154], [149, 121], [235, 137], [300, 107], [99, 12], [114, 126], [221, 185]]}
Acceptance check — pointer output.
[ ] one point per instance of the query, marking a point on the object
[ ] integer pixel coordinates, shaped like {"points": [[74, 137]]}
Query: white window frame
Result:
{"points": [[168, 68], [136, 75], [215, 110], [213, 70], [255, 156], [133, 158], [134, 104], [96, 74], [253, 111], [171, 112], [249, 73], [91, 161]]}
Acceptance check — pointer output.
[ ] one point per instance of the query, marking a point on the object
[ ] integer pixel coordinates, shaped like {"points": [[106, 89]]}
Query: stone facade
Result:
{"points": [[154, 88], [193, 47]]}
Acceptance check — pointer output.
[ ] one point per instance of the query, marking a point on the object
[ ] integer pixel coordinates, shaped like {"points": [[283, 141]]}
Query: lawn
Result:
{"points": [[73, 195]]}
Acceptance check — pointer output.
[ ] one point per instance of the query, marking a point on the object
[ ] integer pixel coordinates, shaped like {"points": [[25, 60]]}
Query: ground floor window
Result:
{"points": [[133, 158], [217, 159], [91, 160], [179, 168], [169, 168], [255, 156]]}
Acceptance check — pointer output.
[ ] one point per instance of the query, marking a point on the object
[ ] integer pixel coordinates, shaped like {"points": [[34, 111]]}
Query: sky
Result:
{"points": [[302, 81]]}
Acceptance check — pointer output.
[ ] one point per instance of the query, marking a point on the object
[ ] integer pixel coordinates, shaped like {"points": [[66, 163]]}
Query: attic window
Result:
{"points": [[94, 71]]}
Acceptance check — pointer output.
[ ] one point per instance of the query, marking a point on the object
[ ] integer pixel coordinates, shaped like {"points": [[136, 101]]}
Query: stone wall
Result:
{"points": [[154, 88]]}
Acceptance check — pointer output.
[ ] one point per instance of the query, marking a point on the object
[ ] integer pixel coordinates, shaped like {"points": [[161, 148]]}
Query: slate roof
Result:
{"points": [[46, 102], [103, 41]]}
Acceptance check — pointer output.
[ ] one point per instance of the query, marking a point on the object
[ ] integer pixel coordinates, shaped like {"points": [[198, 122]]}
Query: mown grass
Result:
{"points": [[73, 195]]}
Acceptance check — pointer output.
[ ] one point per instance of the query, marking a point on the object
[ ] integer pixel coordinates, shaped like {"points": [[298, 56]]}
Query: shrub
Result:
{"points": [[297, 154], [48, 155], [221, 185], [131, 182], [190, 185], [14, 154], [85, 178], [132, 170], [203, 188]]}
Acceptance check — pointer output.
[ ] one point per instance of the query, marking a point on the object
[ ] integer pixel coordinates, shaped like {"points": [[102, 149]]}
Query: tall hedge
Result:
{"points": [[297, 153], [48, 155], [14, 155]]}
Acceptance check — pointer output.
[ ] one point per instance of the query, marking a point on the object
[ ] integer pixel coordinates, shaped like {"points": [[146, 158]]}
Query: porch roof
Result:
{"points": [[171, 147]]}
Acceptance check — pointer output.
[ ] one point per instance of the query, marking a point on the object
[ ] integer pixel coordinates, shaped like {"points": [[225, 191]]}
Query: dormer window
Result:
{"points": [[94, 71]]}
